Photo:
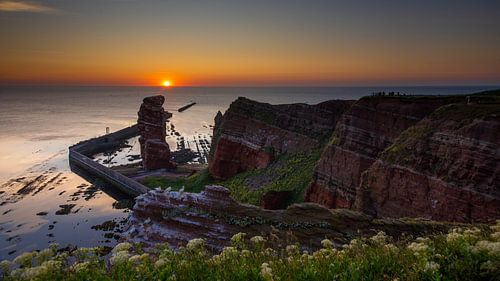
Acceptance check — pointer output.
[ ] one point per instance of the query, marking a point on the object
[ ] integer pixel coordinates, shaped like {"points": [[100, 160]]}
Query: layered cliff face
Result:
{"points": [[250, 134], [366, 129], [177, 217], [446, 167], [155, 151]]}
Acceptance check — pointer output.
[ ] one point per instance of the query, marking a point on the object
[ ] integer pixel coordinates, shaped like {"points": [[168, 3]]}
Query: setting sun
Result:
{"points": [[166, 83]]}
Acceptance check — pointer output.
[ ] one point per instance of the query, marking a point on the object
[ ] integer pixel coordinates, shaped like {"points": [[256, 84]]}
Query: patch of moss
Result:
{"points": [[290, 172], [466, 112], [193, 183], [334, 140], [395, 153]]}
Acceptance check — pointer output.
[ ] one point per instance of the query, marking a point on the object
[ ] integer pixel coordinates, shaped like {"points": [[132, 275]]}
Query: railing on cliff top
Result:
{"points": [[79, 156]]}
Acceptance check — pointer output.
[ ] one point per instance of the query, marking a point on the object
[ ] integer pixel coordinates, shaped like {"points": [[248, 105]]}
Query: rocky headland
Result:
{"points": [[379, 159], [435, 157]]}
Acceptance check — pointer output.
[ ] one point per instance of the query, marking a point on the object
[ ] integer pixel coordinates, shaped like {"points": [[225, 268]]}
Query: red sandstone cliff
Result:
{"points": [[250, 134], [155, 151], [446, 167], [371, 125]]}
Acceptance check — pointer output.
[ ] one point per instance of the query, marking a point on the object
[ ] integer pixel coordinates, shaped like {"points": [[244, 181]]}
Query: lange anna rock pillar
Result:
{"points": [[155, 151]]}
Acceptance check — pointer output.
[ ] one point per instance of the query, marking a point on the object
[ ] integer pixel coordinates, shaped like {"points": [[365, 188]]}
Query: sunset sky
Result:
{"points": [[250, 42]]}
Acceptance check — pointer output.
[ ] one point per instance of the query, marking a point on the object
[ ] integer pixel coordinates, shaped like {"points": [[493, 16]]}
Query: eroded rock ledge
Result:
{"points": [[177, 217], [251, 133]]}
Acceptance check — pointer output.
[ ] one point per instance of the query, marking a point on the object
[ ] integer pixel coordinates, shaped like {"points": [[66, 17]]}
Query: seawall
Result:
{"points": [[79, 156]]}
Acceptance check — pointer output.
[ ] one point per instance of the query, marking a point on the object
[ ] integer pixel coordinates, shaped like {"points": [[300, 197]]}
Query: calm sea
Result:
{"points": [[37, 124]]}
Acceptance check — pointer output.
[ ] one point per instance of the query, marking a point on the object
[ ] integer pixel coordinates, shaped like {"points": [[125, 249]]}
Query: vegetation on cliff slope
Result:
{"points": [[290, 172], [462, 254], [462, 114]]}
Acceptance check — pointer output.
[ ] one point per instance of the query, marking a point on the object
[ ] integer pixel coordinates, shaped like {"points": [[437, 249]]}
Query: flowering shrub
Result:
{"points": [[461, 254]]}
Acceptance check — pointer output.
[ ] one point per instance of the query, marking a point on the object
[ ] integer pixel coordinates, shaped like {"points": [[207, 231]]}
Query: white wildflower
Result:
{"points": [[161, 263], [431, 266], [491, 247], [391, 247], [121, 247], [292, 249], [266, 272], [270, 252], [53, 264], [229, 252], [246, 253], [238, 238], [418, 248], [216, 259], [258, 240], [135, 259], [472, 232], [25, 259], [355, 244], [82, 266], [198, 243], [495, 236], [496, 227], [119, 257], [423, 240], [454, 235], [380, 238], [34, 272], [326, 243]]}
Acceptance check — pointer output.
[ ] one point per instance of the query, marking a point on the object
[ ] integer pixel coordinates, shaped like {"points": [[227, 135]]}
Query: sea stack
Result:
{"points": [[155, 151]]}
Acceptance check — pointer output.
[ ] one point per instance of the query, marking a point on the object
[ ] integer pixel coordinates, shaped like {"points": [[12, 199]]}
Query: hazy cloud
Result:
{"points": [[23, 6]]}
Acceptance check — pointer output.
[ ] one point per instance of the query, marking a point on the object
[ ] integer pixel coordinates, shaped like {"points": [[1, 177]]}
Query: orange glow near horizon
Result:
{"points": [[166, 83], [242, 43]]}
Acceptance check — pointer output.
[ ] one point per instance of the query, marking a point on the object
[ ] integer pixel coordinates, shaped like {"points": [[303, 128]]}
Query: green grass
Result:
{"points": [[466, 112], [193, 183], [289, 172], [462, 254], [396, 152]]}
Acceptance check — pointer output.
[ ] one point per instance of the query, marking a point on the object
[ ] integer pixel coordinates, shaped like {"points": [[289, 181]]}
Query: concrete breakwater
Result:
{"points": [[79, 155]]}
